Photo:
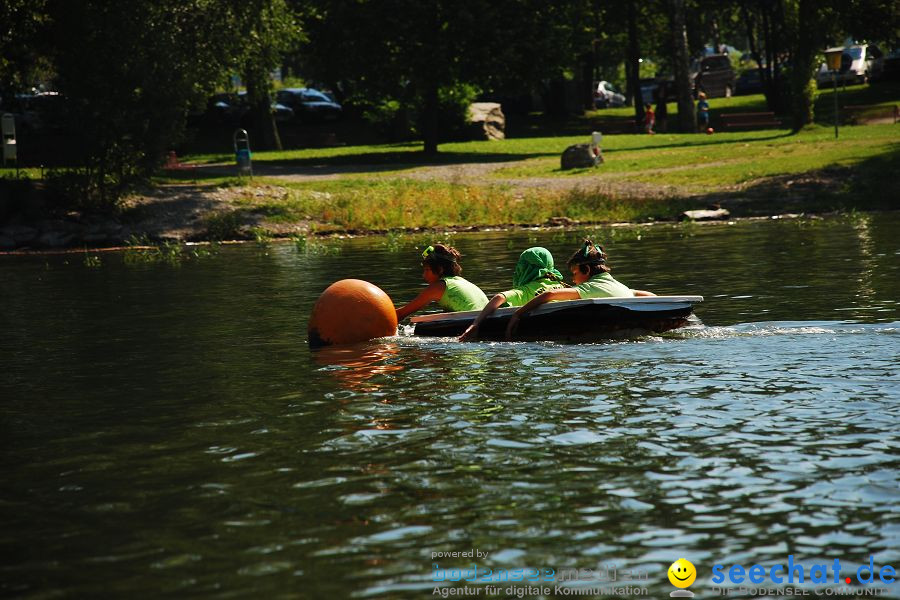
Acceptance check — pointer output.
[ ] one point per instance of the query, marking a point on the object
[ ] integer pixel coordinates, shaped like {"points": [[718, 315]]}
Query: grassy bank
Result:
{"points": [[519, 180], [393, 204]]}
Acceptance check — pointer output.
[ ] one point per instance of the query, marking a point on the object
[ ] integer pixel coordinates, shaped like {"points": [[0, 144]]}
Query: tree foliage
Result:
{"points": [[22, 62], [416, 51], [131, 72], [267, 30]]}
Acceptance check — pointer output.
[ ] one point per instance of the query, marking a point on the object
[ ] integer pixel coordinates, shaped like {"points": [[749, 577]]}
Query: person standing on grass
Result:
{"points": [[702, 112], [649, 118], [662, 112]]}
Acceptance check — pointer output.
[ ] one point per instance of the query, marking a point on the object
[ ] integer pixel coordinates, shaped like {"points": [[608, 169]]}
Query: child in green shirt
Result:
{"points": [[534, 275], [441, 269], [592, 280]]}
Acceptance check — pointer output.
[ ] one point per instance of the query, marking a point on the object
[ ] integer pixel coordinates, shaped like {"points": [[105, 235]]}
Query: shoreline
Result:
{"points": [[289, 206], [351, 234]]}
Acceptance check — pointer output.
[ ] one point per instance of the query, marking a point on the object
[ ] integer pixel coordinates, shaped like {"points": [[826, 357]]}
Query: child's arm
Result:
{"points": [[549, 296], [471, 331], [432, 293], [642, 293]]}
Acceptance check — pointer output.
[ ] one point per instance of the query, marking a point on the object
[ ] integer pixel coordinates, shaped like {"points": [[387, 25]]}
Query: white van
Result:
{"points": [[859, 63], [606, 95]]}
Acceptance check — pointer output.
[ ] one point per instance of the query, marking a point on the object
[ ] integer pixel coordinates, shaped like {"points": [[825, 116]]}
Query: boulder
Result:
{"points": [[486, 121], [579, 156], [705, 215]]}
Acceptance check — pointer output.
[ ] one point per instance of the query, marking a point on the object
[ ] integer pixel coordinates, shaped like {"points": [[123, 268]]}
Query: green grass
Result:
{"points": [[700, 163], [402, 203], [370, 190], [719, 160], [23, 173]]}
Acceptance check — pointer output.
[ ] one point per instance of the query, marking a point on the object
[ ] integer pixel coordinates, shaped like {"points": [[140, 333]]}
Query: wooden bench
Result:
{"points": [[617, 126], [860, 114], [752, 120]]}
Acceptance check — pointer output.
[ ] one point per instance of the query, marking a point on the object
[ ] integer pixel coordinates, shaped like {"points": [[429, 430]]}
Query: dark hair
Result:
{"points": [[590, 259], [442, 260]]}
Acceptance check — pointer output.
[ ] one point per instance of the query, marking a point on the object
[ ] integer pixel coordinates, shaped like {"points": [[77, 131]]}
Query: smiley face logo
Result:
{"points": [[682, 573]]}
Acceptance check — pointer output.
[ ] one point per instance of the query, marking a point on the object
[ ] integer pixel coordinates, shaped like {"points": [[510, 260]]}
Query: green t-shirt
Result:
{"points": [[603, 286], [462, 294], [521, 295]]}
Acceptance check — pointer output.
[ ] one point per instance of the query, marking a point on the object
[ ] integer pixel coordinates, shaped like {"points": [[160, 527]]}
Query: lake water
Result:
{"points": [[167, 433]]}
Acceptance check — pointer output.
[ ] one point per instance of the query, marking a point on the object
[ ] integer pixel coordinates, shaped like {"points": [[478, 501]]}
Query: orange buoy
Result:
{"points": [[350, 311]]}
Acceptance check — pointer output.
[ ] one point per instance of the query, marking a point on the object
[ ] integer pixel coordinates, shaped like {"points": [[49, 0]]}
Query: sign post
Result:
{"points": [[833, 58]]}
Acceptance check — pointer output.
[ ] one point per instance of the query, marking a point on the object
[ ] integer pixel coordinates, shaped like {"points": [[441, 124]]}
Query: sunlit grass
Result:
{"points": [[725, 159], [379, 199], [403, 203]]}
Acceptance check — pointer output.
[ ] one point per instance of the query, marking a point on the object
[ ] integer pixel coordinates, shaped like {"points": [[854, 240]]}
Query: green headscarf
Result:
{"points": [[535, 263]]}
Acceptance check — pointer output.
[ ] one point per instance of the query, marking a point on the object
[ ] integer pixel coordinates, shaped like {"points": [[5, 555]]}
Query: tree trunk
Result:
{"points": [[265, 128], [804, 65], [716, 36], [687, 118], [633, 63], [430, 119], [763, 38], [587, 78], [773, 89]]}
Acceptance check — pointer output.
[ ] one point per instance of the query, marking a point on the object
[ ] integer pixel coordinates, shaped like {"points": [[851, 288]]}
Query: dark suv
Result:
{"points": [[714, 76], [309, 104]]}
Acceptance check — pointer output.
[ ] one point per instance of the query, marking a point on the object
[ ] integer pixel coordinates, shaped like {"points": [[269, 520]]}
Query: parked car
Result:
{"points": [[891, 66], [41, 112], [280, 111], [750, 82], [231, 108], [714, 76], [309, 104], [606, 95], [225, 107], [859, 63]]}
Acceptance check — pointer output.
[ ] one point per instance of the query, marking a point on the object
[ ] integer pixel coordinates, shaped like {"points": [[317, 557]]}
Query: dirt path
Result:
{"points": [[473, 174], [184, 212]]}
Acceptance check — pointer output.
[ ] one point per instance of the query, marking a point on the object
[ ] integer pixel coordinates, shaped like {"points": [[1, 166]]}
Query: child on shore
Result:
{"points": [[702, 112], [534, 275], [592, 280], [441, 270], [649, 118]]}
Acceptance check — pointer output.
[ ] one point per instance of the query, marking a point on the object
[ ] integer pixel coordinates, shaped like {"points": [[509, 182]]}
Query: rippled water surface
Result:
{"points": [[166, 431]]}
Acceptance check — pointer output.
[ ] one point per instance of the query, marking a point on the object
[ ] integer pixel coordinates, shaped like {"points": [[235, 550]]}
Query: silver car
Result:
{"points": [[859, 63], [606, 95]]}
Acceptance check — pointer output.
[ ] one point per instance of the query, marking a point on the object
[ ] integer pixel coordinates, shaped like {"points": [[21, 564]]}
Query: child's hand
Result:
{"points": [[512, 326], [470, 333]]}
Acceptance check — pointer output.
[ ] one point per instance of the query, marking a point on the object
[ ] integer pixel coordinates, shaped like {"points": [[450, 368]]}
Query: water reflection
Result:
{"points": [[354, 366]]}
